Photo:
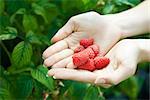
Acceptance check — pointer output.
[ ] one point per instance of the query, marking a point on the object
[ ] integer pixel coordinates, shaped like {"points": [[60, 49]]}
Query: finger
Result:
{"points": [[57, 57], [74, 38], [120, 74], [63, 63], [71, 74], [61, 45], [64, 31], [71, 65]]}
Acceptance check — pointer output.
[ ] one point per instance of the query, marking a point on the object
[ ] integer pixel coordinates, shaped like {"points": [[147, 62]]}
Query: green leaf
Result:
{"points": [[39, 11], [5, 87], [40, 74], [14, 5], [2, 6], [131, 83], [33, 38], [85, 1], [92, 93], [38, 90], [8, 33], [126, 2], [51, 12], [29, 23], [71, 90], [134, 2], [5, 90], [18, 12], [24, 86], [108, 8], [44, 39], [21, 54]]}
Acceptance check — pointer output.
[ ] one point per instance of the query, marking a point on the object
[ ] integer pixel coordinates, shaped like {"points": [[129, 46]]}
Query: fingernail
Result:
{"points": [[101, 81], [54, 77]]}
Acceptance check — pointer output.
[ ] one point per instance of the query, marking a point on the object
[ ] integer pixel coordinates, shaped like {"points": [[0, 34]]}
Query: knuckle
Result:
{"points": [[93, 13], [72, 19]]}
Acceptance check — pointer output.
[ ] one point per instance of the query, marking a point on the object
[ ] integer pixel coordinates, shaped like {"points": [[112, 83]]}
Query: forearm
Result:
{"points": [[134, 21]]}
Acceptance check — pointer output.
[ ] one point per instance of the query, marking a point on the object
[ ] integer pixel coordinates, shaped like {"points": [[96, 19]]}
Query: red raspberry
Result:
{"points": [[89, 52], [86, 42], [80, 58], [95, 48], [101, 62], [88, 66], [79, 49]]}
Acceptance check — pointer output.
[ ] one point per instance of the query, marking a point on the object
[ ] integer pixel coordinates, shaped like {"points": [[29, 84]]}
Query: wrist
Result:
{"points": [[132, 22], [143, 45]]}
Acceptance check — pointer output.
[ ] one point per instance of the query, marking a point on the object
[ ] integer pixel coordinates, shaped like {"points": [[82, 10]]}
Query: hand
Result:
{"points": [[124, 57], [91, 24]]}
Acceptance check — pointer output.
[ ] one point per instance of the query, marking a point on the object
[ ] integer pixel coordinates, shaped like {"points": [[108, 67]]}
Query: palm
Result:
{"points": [[121, 67], [86, 25]]}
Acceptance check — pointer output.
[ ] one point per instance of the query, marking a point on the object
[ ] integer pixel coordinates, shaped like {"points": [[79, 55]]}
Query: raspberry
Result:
{"points": [[79, 49], [88, 66], [101, 62], [80, 58], [95, 48], [86, 42], [85, 56], [89, 52]]}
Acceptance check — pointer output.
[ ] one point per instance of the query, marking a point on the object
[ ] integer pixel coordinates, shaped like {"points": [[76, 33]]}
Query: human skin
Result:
{"points": [[106, 30], [124, 57]]}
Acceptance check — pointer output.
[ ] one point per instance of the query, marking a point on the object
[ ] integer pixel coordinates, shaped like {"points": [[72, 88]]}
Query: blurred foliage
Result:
{"points": [[26, 27]]}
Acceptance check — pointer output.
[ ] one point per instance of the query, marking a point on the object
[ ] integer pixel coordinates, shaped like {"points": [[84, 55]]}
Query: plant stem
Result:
{"points": [[5, 49], [100, 93]]}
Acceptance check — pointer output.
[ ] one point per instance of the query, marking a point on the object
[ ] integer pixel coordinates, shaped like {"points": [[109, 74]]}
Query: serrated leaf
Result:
{"points": [[29, 23], [20, 11], [92, 93], [24, 86], [39, 10], [33, 38], [40, 74], [8, 33], [21, 54], [2, 6]]}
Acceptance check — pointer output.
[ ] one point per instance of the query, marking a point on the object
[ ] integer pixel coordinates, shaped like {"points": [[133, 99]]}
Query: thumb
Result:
{"points": [[66, 30]]}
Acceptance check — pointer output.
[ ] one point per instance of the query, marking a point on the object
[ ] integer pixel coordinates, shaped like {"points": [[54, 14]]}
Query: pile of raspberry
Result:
{"points": [[86, 56]]}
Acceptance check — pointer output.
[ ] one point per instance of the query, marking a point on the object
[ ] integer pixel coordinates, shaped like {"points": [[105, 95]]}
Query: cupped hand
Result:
{"points": [[91, 24], [124, 57]]}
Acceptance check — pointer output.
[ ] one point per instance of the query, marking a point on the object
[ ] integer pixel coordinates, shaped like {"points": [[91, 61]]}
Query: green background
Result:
{"points": [[26, 27]]}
